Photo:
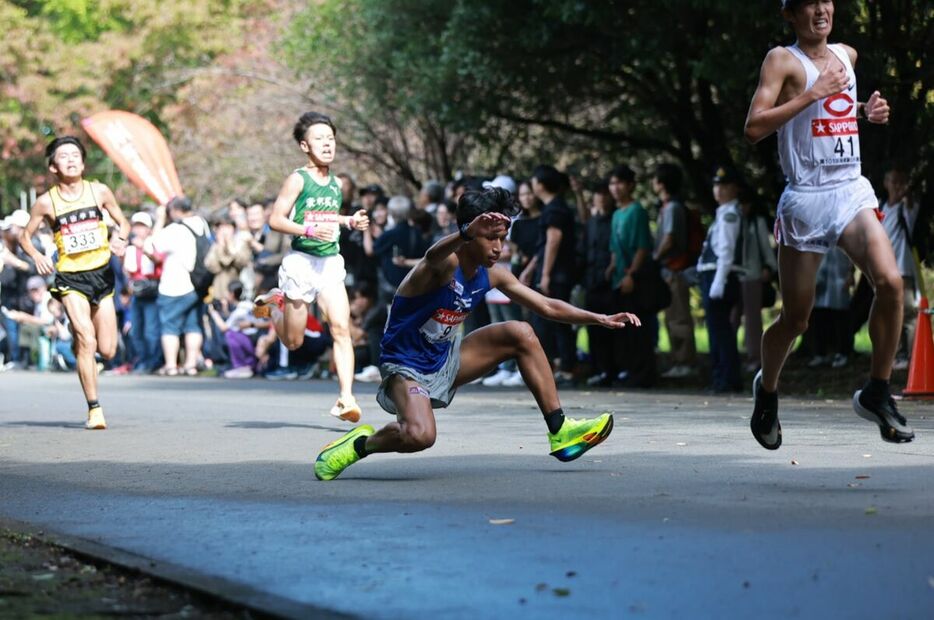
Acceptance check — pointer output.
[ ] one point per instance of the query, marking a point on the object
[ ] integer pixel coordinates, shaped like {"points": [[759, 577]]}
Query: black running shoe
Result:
{"points": [[764, 422], [892, 425]]}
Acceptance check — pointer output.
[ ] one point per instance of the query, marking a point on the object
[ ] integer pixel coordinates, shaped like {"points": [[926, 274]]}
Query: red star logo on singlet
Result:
{"points": [[821, 127]]}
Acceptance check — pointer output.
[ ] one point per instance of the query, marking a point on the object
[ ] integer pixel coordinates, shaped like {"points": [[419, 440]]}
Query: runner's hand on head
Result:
{"points": [[832, 80], [488, 224], [620, 320], [877, 109]]}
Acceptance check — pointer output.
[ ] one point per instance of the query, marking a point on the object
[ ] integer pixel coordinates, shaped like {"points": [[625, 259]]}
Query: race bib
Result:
{"points": [[326, 219], [835, 134], [442, 326], [83, 236]]}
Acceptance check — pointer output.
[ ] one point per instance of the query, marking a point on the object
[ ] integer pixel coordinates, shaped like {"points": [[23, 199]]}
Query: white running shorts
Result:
{"points": [[303, 276], [812, 219]]}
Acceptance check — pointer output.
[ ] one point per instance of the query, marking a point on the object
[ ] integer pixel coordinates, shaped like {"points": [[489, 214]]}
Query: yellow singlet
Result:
{"points": [[79, 230]]}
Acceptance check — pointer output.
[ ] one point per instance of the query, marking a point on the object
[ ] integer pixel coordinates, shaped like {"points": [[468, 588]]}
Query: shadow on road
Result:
{"points": [[269, 425], [45, 424]]}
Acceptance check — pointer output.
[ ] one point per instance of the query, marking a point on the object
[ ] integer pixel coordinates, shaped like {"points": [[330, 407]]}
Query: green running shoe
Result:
{"points": [[340, 454], [577, 436]]}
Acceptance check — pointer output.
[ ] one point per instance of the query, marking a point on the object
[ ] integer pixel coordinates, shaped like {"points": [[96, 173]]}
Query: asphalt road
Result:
{"points": [[678, 514]]}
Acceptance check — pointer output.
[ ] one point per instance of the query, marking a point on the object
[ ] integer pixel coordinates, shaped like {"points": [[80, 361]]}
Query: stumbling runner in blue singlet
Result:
{"points": [[421, 330]]}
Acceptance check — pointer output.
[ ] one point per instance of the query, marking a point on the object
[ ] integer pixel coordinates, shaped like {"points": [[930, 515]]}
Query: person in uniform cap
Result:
{"points": [[719, 267]]}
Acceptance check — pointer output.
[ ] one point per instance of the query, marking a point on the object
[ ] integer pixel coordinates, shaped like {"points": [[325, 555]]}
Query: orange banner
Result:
{"points": [[138, 149]]}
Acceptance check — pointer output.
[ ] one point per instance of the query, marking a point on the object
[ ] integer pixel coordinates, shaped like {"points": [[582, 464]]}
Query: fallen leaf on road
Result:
{"points": [[570, 573], [862, 477], [681, 443], [853, 485], [541, 587], [871, 510], [867, 456], [561, 591], [794, 462], [502, 521]]}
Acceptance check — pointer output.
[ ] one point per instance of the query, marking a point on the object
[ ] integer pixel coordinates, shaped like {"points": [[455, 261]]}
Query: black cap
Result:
{"points": [[373, 188], [726, 174]]}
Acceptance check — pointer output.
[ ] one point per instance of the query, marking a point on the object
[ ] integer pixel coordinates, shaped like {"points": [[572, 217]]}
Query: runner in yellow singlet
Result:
{"points": [[84, 282]]}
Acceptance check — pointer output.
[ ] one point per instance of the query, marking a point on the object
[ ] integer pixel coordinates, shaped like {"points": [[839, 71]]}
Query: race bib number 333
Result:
{"points": [[78, 237]]}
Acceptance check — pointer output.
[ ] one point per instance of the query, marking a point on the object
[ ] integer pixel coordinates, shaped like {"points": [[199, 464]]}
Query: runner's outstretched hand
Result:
{"points": [[618, 321]]}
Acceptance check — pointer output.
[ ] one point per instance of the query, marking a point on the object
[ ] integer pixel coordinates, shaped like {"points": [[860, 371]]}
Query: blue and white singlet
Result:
{"points": [[421, 331]]}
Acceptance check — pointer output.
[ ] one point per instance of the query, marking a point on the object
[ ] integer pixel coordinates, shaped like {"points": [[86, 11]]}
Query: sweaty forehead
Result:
{"points": [[67, 149], [320, 130]]}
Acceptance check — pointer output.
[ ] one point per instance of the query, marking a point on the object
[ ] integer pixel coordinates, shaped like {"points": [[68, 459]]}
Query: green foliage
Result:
{"points": [[613, 80], [72, 58]]}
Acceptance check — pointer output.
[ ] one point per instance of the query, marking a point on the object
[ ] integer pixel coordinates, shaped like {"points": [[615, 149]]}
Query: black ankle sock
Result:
{"points": [[877, 388], [92, 404], [554, 420], [359, 446]]}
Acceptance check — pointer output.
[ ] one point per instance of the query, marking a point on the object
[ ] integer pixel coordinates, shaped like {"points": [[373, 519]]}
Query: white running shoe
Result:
{"points": [[497, 379], [677, 372], [347, 409], [95, 421], [369, 374], [241, 372]]}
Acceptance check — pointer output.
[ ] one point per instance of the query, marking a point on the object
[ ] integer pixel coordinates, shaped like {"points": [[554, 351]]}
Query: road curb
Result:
{"points": [[265, 604]]}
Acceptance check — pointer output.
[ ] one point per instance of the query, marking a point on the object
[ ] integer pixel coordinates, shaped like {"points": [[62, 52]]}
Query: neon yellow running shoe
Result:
{"points": [[340, 454], [577, 436]]}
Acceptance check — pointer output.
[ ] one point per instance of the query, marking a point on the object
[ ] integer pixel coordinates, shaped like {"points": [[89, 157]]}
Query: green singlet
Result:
{"points": [[319, 205]]}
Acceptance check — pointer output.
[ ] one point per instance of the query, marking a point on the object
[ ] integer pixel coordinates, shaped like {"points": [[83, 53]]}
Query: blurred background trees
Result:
{"points": [[421, 89]]}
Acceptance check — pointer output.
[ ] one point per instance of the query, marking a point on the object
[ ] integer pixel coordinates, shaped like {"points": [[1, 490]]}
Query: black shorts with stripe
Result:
{"points": [[94, 285]]}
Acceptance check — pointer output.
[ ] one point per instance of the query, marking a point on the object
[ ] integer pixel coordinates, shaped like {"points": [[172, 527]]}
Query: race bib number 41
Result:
{"points": [[78, 237], [442, 326], [835, 136]]}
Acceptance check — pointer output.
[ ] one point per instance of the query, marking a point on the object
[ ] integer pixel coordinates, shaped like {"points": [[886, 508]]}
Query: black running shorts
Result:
{"points": [[94, 285]]}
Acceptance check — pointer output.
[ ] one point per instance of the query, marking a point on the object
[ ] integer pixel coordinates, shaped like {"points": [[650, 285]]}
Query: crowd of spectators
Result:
{"points": [[185, 286]]}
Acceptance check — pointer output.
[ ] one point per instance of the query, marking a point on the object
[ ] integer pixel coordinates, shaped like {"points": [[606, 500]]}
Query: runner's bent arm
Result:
{"points": [[279, 218], [439, 261], [553, 309], [765, 117], [109, 202], [41, 210]]}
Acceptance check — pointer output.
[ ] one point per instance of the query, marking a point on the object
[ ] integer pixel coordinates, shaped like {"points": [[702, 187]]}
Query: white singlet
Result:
{"points": [[820, 146], [819, 152]]}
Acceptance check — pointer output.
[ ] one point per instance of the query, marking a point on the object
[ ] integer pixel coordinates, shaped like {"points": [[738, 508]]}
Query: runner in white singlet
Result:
{"points": [[807, 93]]}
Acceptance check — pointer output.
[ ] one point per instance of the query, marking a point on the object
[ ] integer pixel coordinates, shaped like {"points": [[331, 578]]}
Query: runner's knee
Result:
{"points": [[339, 329], [795, 321], [417, 437], [85, 339], [889, 286], [108, 352], [523, 333]]}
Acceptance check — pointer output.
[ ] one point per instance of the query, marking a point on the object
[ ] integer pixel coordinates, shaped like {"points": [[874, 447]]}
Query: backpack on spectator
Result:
{"points": [[696, 234], [201, 278]]}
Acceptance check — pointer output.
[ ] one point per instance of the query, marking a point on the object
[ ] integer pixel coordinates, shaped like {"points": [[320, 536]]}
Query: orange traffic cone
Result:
{"points": [[921, 371]]}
